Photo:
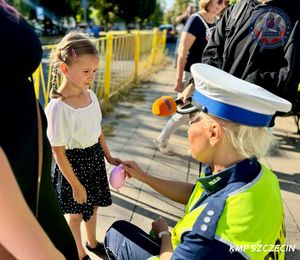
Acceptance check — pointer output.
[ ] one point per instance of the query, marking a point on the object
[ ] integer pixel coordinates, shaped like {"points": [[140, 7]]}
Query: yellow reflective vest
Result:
{"points": [[251, 222]]}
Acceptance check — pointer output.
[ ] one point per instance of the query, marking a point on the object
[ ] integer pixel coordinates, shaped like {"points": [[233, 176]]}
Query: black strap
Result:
{"points": [[40, 152]]}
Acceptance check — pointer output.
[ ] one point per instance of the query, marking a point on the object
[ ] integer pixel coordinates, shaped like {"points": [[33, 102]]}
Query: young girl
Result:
{"points": [[78, 144]]}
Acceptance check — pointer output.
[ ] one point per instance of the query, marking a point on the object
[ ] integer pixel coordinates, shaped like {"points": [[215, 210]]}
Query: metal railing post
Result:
{"points": [[108, 61], [36, 81], [154, 45], [137, 54], [164, 40]]}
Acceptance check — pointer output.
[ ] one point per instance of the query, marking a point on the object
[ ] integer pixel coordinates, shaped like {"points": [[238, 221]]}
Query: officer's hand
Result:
{"points": [[159, 225], [132, 169]]}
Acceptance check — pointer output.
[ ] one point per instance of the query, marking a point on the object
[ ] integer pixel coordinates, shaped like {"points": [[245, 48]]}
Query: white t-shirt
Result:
{"points": [[73, 127]]}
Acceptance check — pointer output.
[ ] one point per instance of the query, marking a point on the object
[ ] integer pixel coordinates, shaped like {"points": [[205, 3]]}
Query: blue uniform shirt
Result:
{"points": [[197, 244]]}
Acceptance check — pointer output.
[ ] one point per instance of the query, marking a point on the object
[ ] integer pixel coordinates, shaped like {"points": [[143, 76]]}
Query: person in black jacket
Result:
{"points": [[20, 55], [259, 41]]}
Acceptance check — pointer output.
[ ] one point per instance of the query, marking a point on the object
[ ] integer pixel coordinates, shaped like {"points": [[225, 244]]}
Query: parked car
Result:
{"points": [[171, 32]]}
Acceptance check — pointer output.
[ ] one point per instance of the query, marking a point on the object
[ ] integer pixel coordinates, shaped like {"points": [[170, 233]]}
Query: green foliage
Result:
{"points": [[232, 2], [58, 7], [51, 7], [180, 6], [169, 17], [122, 116], [146, 8], [157, 17], [24, 9], [106, 11], [136, 10], [108, 129]]}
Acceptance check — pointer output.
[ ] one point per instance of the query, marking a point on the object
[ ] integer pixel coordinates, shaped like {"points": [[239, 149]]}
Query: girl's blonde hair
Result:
{"points": [[72, 46], [248, 140]]}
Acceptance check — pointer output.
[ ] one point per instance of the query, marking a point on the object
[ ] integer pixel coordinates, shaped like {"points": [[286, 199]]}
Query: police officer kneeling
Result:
{"points": [[236, 203]]}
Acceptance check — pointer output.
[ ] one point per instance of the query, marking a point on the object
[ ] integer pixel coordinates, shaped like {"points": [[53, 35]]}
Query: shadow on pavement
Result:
{"points": [[289, 182], [142, 211], [293, 255], [288, 142]]}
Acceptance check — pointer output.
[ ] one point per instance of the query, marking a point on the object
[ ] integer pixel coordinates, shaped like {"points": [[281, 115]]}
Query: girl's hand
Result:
{"points": [[132, 169], [79, 193], [159, 225], [114, 161]]}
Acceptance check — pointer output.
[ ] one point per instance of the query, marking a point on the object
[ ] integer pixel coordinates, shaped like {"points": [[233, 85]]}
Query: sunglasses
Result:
{"points": [[195, 116], [219, 2]]}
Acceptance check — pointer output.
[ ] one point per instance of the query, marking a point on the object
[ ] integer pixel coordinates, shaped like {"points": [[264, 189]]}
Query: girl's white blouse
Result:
{"points": [[73, 127]]}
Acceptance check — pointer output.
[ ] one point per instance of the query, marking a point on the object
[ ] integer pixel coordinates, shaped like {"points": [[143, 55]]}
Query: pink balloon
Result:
{"points": [[117, 177]]}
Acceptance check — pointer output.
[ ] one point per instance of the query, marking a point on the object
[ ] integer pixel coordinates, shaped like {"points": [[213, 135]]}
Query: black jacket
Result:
{"points": [[259, 43], [20, 55]]}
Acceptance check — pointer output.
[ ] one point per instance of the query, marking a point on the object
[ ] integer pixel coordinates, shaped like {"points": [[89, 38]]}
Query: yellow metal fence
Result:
{"points": [[123, 59]]}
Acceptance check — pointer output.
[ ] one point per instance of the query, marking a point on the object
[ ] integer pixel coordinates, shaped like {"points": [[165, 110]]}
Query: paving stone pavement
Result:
{"points": [[135, 128]]}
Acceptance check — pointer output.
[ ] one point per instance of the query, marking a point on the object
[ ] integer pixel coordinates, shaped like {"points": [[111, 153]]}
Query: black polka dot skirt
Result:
{"points": [[89, 167]]}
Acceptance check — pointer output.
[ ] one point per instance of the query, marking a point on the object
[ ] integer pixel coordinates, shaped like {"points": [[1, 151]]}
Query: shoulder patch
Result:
{"points": [[206, 223], [270, 27]]}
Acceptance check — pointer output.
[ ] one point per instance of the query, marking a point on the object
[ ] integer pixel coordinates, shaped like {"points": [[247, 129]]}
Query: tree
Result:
{"points": [[59, 7], [52, 8], [105, 11], [157, 17], [180, 6], [24, 8], [136, 10], [146, 9]]}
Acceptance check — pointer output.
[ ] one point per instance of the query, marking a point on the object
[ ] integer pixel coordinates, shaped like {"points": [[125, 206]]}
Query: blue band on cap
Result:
{"points": [[232, 113]]}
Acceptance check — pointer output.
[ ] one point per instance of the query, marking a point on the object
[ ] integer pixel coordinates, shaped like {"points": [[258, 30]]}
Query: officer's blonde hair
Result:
{"points": [[248, 140]]}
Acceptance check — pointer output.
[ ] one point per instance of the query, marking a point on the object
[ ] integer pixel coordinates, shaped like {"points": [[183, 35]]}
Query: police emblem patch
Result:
{"points": [[270, 27]]}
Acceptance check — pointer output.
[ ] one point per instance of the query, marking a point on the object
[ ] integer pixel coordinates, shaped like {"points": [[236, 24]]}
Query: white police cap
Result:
{"points": [[233, 99]]}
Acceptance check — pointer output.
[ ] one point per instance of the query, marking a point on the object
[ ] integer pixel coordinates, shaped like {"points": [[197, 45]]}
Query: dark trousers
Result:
{"points": [[126, 241]]}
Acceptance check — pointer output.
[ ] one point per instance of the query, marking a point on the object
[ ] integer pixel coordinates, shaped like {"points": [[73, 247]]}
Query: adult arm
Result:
{"points": [[194, 29], [186, 41], [20, 233], [214, 50], [174, 190], [180, 18], [166, 247], [79, 191], [193, 246]]}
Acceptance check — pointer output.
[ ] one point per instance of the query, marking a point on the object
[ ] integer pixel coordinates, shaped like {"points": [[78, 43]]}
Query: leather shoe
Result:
{"points": [[99, 250]]}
